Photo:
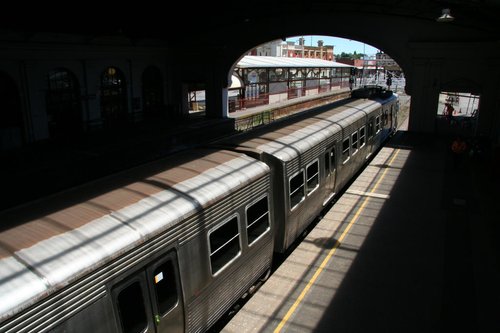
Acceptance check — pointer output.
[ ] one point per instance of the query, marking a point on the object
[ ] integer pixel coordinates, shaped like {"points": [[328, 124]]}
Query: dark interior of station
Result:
{"points": [[198, 45]]}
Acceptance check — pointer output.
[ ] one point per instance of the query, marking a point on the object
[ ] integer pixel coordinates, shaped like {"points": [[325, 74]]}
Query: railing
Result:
{"points": [[245, 103], [251, 121]]}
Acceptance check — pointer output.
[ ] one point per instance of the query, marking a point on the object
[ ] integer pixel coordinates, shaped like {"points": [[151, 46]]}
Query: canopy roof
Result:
{"points": [[280, 62]]}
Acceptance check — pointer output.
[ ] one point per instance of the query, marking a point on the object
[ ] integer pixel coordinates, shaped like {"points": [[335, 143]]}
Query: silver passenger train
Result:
{"points": [[171, 245]]}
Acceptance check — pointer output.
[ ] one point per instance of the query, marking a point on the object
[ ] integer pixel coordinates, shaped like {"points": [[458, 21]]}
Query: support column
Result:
{"points": [[216, 93], [489, 107], [425, 94]]}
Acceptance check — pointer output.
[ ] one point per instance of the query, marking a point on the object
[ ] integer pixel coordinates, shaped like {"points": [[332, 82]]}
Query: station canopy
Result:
{"points": [[272, 62]]}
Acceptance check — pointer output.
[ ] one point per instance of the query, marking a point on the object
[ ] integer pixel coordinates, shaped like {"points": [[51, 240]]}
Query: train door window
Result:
{"points": [[165, 286], [131, 307], [257, 219], [332, 159], [312, 174], [377, 124], [224, 244], [345, 149], [370, 128], [330, 162], [354, 142], [296, 189], [327, 162], [362, 139], [165, 294]]}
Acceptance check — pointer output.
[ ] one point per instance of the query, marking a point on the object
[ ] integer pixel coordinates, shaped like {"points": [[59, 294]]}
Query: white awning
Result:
{"points": [[277, 62]]}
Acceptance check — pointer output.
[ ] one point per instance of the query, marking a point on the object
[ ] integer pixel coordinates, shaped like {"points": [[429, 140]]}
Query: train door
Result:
{"points": [[370, 132], [394, 111], [331, 173], [165, 291], [132, 304], [150, 301]]}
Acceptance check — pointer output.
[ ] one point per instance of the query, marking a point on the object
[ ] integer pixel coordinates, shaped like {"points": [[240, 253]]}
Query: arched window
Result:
{"points": [[152, 91], [11, 117], [114, 102], [64, 106]]}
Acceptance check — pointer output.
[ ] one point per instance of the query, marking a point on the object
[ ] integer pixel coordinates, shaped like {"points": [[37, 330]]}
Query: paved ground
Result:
{"points": [[410, 247]]}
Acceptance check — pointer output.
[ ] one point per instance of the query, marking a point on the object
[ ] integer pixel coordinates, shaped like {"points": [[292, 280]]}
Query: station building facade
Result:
{"points": [[58, 86], [55, 87]]}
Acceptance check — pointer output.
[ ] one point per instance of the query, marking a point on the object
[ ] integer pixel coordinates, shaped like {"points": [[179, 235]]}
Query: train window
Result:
{"points": [[224, 244], [131, 308], [312, 174], [354, 145], [345, 149], [165, 286], [257, 219], [362, 137], [296, 189], [377, 124]]}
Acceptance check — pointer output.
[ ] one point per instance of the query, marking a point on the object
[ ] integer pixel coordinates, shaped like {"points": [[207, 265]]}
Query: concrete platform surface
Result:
{"points": [[406, 248]]}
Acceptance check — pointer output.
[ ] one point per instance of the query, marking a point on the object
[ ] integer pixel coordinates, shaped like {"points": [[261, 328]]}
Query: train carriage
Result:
{"points": [[171, 245], [165, 247], [312, 157]]}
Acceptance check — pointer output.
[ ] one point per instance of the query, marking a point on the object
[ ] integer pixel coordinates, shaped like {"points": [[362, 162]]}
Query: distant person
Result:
{"points": [[448, 111]]}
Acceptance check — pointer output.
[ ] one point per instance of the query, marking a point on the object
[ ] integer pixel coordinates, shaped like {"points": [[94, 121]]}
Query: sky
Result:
{"points": [[340, 44]]}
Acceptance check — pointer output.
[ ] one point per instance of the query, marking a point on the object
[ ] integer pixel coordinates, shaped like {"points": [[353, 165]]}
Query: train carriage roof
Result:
{"points": [[47, 244], [292, 138]]}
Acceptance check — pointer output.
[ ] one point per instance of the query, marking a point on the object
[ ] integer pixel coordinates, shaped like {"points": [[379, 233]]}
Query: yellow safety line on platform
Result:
{"points": [[331, 253]]}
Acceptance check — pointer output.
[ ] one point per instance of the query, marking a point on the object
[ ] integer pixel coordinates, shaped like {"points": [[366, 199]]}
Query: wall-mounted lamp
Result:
{"points": [[445, 16]]}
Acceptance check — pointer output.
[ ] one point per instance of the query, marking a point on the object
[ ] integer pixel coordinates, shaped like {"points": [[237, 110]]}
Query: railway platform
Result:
{"points": [[51, 167], [410, 246]]}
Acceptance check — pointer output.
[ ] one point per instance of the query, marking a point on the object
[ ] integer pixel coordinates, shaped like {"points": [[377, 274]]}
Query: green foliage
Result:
{"points": [[350, 55]]}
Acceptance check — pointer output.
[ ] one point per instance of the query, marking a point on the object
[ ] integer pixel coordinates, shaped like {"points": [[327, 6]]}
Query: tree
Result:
{"points": [[354, 55]]}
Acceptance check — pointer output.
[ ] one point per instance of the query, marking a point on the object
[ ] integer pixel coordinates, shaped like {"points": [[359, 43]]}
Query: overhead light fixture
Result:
{"points": [[445, 16]]}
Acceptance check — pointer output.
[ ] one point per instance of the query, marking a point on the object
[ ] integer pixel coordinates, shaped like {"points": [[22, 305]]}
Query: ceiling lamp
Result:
{"points": [[445, 16]]}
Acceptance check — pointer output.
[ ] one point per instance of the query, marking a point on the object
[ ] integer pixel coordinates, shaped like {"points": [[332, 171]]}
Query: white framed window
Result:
{"points": [[224, 244], [257, 214], [312, 176], [354, 142], [296, 186], [345, 149], [377, 124], [362, 137]]}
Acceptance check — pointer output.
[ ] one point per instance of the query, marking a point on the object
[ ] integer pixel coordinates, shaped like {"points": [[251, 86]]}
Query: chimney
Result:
{"points": [[320, 43], [301, 41]]}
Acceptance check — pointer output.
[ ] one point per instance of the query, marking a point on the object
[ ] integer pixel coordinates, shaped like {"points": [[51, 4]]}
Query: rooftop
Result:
{"points": [[265, 62]]}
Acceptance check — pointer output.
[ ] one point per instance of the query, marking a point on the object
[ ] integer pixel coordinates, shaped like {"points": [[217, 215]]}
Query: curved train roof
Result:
{"points": [[293, 138], [47, 244]]}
